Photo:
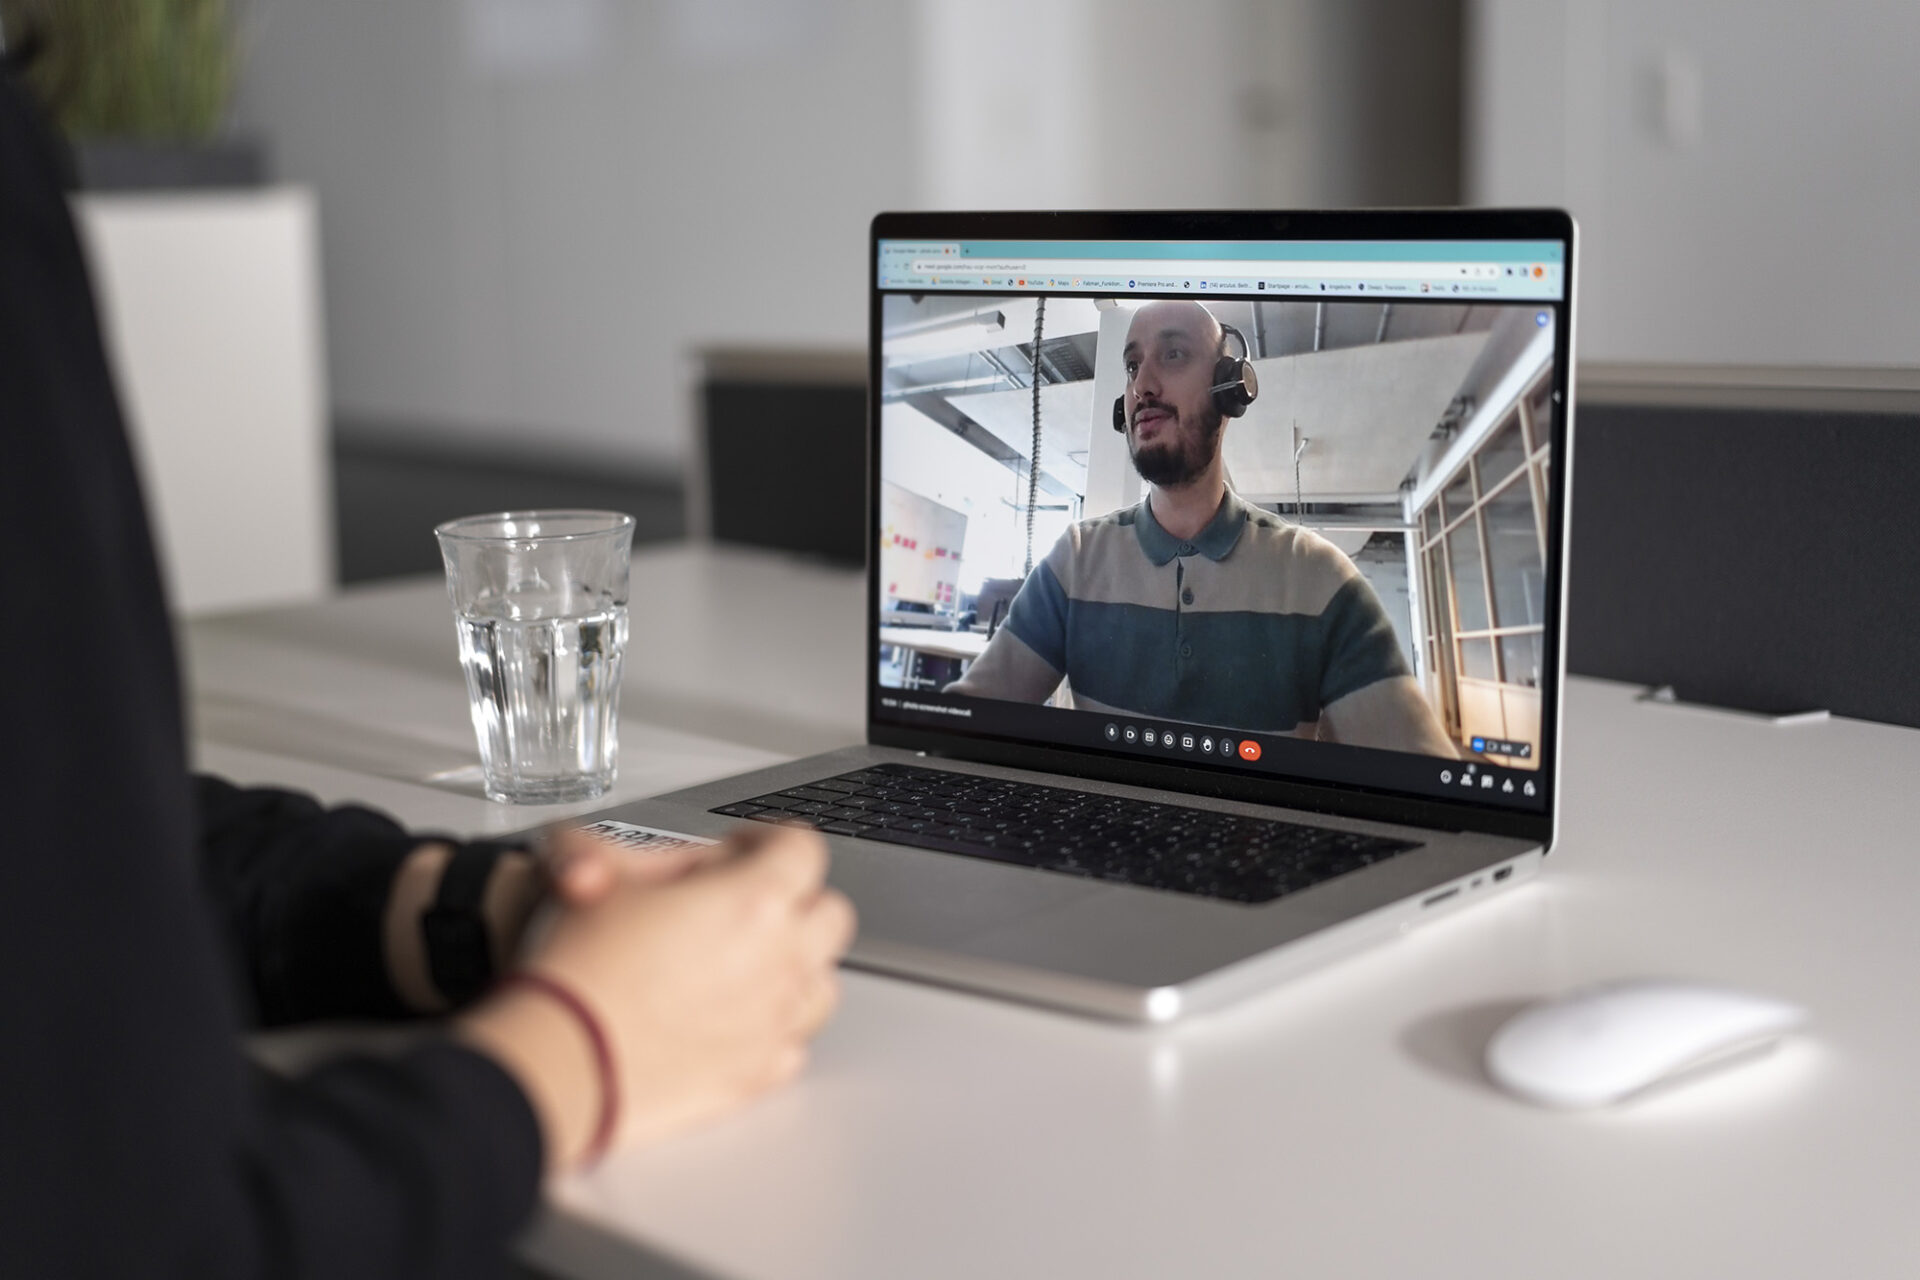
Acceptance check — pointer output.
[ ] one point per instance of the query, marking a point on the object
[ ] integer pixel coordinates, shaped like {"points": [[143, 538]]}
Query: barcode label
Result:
{"points": [[628, 836]]}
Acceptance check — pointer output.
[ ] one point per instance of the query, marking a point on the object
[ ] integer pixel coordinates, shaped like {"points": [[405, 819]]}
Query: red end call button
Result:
{"points": [[1249, 750]]}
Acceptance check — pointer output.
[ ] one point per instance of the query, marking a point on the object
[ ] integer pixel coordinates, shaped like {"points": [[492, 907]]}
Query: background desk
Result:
{"points": [[1338, 1126], [927, 642], [967, 645]]}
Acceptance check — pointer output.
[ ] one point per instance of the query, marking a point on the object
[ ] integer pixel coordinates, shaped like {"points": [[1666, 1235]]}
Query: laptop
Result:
{"points": [[1215, 608]]}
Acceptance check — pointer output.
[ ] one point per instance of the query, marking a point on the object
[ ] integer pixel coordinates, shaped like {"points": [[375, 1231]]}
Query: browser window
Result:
{"points": [[1279, 507]]}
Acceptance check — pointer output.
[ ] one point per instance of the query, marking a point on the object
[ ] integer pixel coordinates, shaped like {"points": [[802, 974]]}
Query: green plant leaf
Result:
{"points": [[159, 70]]}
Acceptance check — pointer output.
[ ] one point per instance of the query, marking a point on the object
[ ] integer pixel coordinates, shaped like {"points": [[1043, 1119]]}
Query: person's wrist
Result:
{"points": [[550, 1053], [514, 889], [514, 893], [606, 1073], [415, 885]]}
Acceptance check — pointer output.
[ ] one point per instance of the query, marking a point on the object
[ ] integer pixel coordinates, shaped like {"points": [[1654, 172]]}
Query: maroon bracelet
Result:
{"points": [[602, 1054]]}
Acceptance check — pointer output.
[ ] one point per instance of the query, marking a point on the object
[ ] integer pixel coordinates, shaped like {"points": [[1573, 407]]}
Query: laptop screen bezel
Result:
{"points": [[1346, 800]]}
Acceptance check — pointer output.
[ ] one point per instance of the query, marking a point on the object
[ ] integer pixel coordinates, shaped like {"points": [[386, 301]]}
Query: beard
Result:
{"points": [[1180, 455]]}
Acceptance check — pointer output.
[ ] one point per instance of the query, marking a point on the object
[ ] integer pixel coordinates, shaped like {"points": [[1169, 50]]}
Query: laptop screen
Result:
{"points": [[1278, 508]]}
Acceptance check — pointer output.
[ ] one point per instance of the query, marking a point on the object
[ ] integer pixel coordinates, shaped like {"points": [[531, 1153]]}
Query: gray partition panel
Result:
{"points": [[784, 451], [1751, 538]]}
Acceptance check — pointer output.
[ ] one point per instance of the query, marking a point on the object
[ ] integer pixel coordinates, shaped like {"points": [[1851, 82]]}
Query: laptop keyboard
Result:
{"points": [[1082, 833]]}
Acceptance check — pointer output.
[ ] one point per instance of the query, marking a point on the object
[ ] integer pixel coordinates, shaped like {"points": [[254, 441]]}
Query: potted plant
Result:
{"points": [[140, 88], [207, 281]]}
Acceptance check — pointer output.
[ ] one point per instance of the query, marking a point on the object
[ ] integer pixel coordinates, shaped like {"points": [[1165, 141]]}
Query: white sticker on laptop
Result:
{"points": [[644, 839]]}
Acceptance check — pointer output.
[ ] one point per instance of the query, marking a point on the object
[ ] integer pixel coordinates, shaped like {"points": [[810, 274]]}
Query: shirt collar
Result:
{"points": [[1214, 542]]}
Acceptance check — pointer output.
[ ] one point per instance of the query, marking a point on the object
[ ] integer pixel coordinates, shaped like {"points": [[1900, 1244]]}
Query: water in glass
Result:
{"points": [[545, 696]]}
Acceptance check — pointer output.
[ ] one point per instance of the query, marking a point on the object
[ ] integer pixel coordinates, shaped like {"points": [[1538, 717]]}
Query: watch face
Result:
{"points": [[458, 955]]}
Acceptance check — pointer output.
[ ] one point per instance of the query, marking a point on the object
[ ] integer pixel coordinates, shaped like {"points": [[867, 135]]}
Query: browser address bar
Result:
{"points": [[1068, 268]]}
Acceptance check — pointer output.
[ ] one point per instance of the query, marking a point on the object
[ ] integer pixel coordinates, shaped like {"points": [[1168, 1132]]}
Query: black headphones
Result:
{"points": [[1234, 384]]}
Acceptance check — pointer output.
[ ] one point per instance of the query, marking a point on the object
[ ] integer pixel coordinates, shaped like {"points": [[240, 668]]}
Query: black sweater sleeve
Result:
{"points": [[301, 894], [137, 1139]]}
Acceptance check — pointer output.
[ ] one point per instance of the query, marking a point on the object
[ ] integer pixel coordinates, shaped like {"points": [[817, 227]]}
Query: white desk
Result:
{"points": [[736, 660], [1336, 1127]]}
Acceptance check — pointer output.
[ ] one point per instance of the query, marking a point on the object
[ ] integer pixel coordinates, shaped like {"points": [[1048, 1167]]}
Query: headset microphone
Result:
{"points": [[1235, 385]]}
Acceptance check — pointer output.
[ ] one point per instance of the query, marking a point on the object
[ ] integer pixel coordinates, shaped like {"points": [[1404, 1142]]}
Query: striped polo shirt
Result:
{"points": [[1256, 623]]}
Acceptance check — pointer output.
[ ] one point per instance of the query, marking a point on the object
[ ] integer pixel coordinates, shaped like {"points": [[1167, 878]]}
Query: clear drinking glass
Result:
{"points": [[540, 603]]}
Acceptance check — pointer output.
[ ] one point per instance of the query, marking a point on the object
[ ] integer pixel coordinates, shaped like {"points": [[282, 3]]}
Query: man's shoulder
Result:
{"points": [[1086, 536], [1100, 555], [1267, 537], [1110, 523]]}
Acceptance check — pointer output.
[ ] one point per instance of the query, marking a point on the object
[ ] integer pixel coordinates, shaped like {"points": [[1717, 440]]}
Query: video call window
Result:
{"points": [[1381, 582]]}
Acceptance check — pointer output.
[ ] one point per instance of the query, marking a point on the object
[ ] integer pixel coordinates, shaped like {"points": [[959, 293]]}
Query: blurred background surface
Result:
{"points": [[534, 239]]}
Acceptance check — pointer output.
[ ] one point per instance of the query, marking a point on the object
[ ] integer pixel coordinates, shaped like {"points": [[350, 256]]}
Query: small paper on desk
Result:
{"points": [[644, 839]]}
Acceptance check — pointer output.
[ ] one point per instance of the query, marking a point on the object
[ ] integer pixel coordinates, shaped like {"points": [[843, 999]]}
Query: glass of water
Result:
{"points": [[540, 602]]}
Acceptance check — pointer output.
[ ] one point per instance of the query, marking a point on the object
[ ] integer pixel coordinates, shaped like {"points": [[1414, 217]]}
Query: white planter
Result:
{"points": [[211, 306]]}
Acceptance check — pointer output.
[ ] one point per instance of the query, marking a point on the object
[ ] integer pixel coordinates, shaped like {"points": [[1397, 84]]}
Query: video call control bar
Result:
{"points": [[1224, 743], [1480, 781]]}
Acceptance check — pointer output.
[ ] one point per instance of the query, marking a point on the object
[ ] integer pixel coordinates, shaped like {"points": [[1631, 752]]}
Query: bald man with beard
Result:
{"points": [[1194, 605]]}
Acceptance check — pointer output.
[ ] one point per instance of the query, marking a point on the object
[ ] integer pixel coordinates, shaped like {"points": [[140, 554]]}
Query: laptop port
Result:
{"points": [[1441, 896], [1502, 874]]}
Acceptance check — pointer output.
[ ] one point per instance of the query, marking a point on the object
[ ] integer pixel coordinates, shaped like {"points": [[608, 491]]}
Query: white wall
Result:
{"points": [[1078, 104], [1745, 172], [532, 211], [1140, 104]]}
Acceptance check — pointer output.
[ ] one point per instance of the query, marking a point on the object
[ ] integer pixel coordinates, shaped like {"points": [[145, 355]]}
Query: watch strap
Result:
{"points": [[459, 953]]}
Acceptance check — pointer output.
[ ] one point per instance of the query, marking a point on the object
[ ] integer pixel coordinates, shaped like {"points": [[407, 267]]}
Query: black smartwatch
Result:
{"points": [[459, 954]]}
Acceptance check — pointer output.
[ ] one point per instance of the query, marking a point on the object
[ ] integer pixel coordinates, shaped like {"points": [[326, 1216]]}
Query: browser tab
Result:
{"points": [[1521, 270]]}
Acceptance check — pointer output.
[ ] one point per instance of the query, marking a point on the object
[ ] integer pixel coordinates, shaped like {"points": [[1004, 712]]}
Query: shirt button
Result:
{"points": [[1186, 651], [1186, 597], [1186, 548]]}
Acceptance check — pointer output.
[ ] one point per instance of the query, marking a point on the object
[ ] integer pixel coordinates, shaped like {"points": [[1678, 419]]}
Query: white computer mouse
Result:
{"points": [[1606, 1043]]}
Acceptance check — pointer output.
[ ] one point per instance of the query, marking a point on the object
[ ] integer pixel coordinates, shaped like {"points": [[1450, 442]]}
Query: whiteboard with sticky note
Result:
{"points": [[920, 542]]}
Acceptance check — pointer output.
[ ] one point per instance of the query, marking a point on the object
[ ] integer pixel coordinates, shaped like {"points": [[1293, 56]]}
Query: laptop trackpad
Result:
{"points": [[933, 899]]}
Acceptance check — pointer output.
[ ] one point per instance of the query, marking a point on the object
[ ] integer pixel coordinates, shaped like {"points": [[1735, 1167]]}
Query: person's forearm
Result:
{"points": [[546, 1049]]}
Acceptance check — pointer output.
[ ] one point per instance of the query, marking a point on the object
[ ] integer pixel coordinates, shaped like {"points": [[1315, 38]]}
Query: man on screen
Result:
{"points": [[1194, 605]]}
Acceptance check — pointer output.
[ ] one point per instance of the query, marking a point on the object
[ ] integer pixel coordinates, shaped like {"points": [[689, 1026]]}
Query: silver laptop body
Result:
{"points": [[1412, 410]]}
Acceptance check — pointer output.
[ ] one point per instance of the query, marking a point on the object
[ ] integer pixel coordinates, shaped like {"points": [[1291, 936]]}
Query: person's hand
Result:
{"points": [[709, 970], [574, 870], [582, 870]]}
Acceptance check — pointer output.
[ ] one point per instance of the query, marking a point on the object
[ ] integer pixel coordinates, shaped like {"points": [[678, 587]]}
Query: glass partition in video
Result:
{"points": [[1323, 519]]}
